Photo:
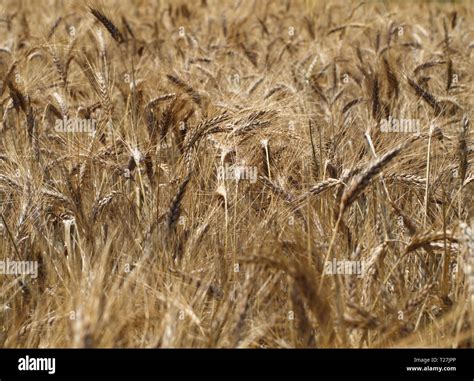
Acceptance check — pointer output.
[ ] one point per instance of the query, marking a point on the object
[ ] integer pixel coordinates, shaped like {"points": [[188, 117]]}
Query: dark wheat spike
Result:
{"points": [[151, 124], [454, 20], [18, 98], [109, 25], [175, 206], [449, 73], [463, 148], [392, 79], [162, 98], [195, 96], [54, 27], [376, 99], [427, 65], [428, 97], [446, 35], [351, 104], [359, 183], [128, 28], [151, 120]]}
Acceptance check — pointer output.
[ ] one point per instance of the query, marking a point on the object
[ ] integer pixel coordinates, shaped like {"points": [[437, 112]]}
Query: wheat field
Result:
{"points": [[251, 174]]}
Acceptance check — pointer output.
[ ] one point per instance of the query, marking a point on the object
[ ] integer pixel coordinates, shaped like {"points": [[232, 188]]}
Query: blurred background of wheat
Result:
{"points": [[140, 244]]}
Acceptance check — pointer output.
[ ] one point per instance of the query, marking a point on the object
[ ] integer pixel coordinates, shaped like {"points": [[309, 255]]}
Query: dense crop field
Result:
{"points": [[236, 174]]}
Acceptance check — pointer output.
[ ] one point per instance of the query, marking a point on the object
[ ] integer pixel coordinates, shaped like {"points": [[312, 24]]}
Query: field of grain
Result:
{"points": [[250, 174]]}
